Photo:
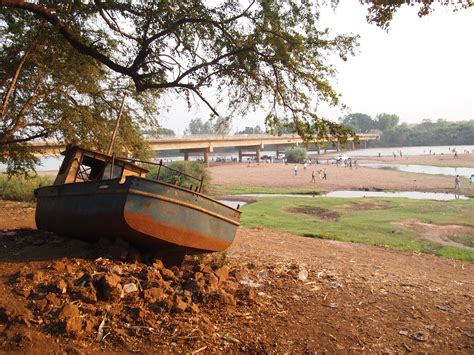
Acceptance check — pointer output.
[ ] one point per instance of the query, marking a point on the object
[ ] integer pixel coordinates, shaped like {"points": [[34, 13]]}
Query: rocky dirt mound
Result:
{"points": [[115, 301]]}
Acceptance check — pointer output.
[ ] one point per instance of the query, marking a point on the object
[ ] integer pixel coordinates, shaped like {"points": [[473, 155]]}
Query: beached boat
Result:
{"points": [[97, 195]]}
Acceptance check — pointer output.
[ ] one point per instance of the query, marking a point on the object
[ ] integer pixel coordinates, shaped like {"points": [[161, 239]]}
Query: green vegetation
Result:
{"points": [[368, 221], [221, 190], [192, 168], [427, 132], [295, 155], [19, 188]]}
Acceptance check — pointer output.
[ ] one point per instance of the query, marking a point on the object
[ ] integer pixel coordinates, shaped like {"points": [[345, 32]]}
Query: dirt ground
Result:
{"points": [[464, 160], [272, 292], [338, 178]]}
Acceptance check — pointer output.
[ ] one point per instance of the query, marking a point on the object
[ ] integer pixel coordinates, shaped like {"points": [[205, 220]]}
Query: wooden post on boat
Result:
{"points": [[117, 123]]}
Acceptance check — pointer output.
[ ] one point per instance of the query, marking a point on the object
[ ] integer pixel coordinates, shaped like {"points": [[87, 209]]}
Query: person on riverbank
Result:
{"points": [[313, 177], [325, 174], [471, 179], [295, 169], [457, 182]]}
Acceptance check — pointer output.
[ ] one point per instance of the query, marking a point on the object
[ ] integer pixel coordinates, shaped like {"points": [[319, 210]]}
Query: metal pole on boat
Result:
{"points": [[159, 169], [111, 145], [200, 185]]}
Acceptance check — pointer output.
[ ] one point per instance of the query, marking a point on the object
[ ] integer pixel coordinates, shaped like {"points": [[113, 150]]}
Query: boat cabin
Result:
{"points": [[82, 165]]}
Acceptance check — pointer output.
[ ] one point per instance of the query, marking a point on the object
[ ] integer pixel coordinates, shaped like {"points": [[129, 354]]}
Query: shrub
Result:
{"points": [[20, 188], [192, 168], [295, 155]]}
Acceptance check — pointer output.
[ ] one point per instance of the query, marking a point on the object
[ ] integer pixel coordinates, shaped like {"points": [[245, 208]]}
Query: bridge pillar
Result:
{"points": [[186, 155], [318, 148], [206, 157], [257, 153], [365, 144], [240, 155], [338, 146]]}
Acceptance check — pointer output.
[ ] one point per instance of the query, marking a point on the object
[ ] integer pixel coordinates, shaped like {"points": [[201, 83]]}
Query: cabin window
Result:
{"points": [[90, 169], [115, 174]]}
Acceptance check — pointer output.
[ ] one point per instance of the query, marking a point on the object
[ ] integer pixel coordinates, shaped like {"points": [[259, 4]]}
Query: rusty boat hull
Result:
{"points": [[147, 213]]}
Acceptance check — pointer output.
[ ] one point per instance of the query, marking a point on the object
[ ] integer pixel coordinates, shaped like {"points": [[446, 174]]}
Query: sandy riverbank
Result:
{"points": [[340, 178]]}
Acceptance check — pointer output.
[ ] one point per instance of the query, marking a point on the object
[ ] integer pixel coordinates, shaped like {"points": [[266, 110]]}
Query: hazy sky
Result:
{"points": [[423, 68]]}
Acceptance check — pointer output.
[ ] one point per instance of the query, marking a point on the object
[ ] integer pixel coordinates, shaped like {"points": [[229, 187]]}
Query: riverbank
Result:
{"points": [[258, 178]]}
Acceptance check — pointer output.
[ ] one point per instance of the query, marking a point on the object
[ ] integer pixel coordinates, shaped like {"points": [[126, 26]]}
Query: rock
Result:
{"points": [[23, 291], [41, 304], [37, 276], [59, 266], [61, 286], [154, 294], [180, 305], [195, 308], [69, 310], [191, 286], [230, 287], [419, 336], [176, 271], [212, 281], [151, 276], [53, 299], [158, 264], [168, 275], [222, 273], [115, 269], [85, 293], [73, 325], [246, 294], [303, 275], [90, 324], [227, 298]]}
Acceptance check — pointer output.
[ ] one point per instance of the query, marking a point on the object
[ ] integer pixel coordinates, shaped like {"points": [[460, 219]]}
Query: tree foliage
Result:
{"points": [[221, 126], [49, 92], [268, 53], [428, 133], [363, 123], [192, 168], [381, 12], [295, 155], [251, 130]]}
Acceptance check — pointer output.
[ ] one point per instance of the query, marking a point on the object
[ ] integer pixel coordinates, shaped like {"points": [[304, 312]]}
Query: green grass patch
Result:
{"points": [[19, 188], [367, 220], [221, 190]]}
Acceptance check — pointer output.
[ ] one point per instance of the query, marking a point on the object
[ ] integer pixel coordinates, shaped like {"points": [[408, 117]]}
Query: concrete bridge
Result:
{"points": [[246, 145]]}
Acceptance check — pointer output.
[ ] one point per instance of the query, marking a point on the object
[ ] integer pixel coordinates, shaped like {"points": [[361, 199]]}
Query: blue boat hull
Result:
{"points": [[147, 213]]}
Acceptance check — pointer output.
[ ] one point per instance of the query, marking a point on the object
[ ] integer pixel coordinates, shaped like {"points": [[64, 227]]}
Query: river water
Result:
{"points": [[423, 169]]}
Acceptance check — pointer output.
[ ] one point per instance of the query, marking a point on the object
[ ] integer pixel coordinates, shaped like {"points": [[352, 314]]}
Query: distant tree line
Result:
{"points": [[427, 132]]}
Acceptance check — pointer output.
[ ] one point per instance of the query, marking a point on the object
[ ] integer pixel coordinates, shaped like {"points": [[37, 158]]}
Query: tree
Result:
{"points": [[270, 53], [41, 96], [251, 130], [359, 122], [381, 12], [385, 121], [295, 155], [198, 127], [158, 132]]}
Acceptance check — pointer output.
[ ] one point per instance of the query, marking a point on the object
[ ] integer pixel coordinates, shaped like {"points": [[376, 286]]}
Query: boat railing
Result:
{"points": [[160, 165]]}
